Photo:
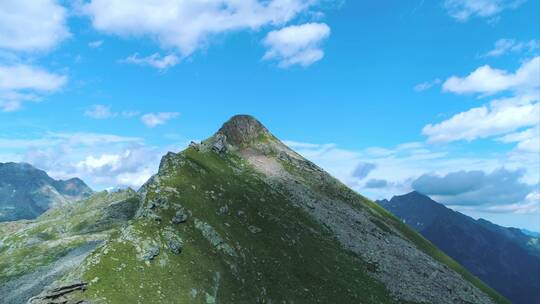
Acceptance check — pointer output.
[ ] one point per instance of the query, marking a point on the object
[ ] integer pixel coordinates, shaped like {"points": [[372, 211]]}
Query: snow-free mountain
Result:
{"points": [[237, 218], [26, 192], [505, 258]]}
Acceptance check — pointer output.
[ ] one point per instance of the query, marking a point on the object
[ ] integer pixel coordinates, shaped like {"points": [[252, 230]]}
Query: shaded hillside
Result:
{"points": [[505, 258], [27, 192]]}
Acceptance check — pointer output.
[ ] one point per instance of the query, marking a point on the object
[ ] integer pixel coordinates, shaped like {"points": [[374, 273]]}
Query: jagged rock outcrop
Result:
{"points": [[59, 295]]}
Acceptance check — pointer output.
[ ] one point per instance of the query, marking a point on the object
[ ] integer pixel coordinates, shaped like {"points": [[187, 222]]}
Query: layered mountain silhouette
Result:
{"points": [[237, 218], [27, 192], [505, 258]]}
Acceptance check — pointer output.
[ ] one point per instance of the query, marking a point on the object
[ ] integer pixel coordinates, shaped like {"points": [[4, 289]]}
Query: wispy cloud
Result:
{"points": [[427, 85], [463, 10], [20, 83], [98, 111], [505, 46], [152, 120], [155, 60], [95, 44]]}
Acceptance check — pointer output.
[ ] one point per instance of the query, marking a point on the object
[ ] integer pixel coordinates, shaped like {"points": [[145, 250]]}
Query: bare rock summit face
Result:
{"points": [[241, 130]]}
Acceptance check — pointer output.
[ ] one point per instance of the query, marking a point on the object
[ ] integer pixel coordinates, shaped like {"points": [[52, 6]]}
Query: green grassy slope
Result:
{"points": [[276, 251], [27, 245]]}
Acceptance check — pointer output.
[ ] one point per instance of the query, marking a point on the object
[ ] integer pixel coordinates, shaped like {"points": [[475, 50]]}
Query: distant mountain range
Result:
{"points": [[27, 192], [505, 258]]}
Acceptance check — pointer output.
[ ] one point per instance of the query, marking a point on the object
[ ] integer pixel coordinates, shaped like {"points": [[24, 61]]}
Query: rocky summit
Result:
{"points": [[26, 192], [237, 218]]}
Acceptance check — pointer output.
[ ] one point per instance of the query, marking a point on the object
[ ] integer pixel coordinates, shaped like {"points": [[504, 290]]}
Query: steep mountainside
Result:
{"points": [[35, 253], [505, 258], [27, 192], [241, 218]]}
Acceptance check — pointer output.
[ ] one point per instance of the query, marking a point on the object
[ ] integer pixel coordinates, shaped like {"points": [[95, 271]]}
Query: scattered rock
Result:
{"points": [[213, 237], [59, 295], [219, 145], [150, 252], [173, 241], [181, 216], [194, 145], [283, 156], [210, 299], [223, 209], [254, 229]]}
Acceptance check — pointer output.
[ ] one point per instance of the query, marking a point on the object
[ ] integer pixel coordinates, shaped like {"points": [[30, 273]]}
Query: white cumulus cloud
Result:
{"points": [[296, 44], [32, 25], [497, 118], [188, 25], [487, 80], [20, 83]]}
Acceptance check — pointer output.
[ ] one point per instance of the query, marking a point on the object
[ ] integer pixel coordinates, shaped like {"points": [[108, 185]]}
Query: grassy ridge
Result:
{"points": [[291, 258]]}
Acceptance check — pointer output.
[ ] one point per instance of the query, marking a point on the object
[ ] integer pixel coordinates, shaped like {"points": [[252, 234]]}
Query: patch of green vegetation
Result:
{"points": [[282, 253], [29, 245]]}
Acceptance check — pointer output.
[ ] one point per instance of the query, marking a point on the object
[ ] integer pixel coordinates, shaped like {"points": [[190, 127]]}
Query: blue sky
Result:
{"points": [[389, 96]]}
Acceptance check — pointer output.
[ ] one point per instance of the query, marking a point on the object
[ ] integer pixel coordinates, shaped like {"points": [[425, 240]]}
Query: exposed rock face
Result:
{"points": [[180, 216], [502, 257], [242, 130], [59, 295], [26, 192], [219, 144]]}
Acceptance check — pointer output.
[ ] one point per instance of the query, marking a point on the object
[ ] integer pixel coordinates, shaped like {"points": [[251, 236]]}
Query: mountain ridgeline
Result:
{"points": [[27, 192], [237, 218], [505, 258]]}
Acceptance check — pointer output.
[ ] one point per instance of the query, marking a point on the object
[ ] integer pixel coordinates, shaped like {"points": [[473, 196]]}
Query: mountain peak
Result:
{"points": [[243, 129], [414, 196]]}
